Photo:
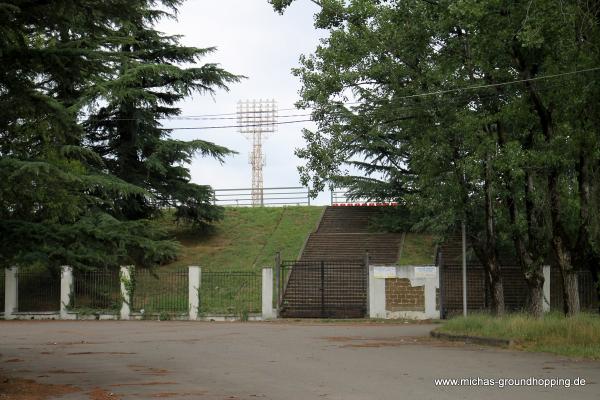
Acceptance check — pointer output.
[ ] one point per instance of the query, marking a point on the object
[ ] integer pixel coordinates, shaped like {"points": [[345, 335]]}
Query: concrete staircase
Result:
{"points": [[344, 234], [339, 288]]}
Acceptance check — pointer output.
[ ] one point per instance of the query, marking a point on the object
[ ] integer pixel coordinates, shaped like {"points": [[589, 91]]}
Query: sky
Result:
{"points": [[255, 41]]}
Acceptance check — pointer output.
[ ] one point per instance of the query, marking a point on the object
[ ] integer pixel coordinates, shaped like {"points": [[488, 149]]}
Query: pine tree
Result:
{"points": [[126, 130], [60, 203]]}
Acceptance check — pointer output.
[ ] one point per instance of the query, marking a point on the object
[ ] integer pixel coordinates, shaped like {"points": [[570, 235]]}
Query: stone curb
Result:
{"points": [[473, 339]]}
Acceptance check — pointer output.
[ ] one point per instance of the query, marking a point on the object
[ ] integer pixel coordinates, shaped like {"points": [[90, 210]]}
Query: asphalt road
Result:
{"points": [[283, 361]]}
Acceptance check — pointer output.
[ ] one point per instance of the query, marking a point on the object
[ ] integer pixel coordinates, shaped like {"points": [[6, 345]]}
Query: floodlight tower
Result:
{"points": [[256, 119]]}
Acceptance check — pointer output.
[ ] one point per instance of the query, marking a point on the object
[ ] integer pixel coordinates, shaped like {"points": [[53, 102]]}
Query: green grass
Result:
{"points": [[417, 249], [247, 238], [575, 337]]}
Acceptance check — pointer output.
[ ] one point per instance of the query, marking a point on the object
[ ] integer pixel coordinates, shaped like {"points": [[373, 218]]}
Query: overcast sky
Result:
{"points": [[255, 41]]}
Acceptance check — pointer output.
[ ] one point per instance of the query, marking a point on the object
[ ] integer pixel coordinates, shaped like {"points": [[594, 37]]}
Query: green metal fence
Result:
{"points": [[96, 290], [236, 293], [230, 292], [156, 292], [39, 290]]}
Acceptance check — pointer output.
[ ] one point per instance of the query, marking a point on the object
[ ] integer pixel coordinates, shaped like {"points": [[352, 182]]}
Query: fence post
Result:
{"points": [[66, 290], [440, 262], [546, 303], [376, 295], [11, 292], [126, 290], [278, 279], [267, 293], [195, 279]]}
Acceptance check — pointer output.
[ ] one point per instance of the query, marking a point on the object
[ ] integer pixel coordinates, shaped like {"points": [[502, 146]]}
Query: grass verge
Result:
{"points": [[577, 336]]}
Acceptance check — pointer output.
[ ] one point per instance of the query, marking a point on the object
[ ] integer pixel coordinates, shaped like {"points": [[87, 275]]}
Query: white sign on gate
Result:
{"points": [[426, 272], [384, 272]]}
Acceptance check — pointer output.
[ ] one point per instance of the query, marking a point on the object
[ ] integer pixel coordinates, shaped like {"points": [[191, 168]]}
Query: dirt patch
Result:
{"points": [[101, 394], [27, 389], [80, 353], [400, 339], [144, 384], [358, 341], [367, 322], [374, 344], [149, 370], [165, 395], [80, 342], [12, 360], [62, 371]]}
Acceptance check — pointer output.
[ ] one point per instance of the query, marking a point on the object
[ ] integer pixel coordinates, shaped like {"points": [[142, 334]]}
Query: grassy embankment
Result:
{"points": [[417, 249], [247, 238], [231, 257], [574, 337]]}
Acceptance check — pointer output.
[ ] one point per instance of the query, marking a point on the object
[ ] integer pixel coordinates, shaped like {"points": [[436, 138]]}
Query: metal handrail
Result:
{"points": [[275, 196]]}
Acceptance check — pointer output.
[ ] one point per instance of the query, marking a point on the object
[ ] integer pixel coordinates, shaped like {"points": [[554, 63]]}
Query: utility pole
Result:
{"points": [[256, 119], [464, 266]]}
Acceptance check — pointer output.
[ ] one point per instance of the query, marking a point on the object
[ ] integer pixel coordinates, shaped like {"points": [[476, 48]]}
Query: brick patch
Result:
{"points": [[401, 296]]}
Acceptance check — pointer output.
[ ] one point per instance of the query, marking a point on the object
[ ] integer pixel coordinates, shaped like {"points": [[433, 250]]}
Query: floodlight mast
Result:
{"points": [[256, 119]]}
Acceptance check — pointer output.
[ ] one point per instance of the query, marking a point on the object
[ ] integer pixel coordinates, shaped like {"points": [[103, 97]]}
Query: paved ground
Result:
{"points": [[283, 361]]}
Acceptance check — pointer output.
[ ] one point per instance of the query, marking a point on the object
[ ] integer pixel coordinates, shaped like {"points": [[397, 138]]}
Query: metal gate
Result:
{"points": [[322, 289]]}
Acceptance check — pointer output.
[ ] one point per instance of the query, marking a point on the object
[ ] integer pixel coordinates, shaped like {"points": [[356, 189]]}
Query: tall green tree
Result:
{"points": [[435, 124], [59, 201], [125, 129]]}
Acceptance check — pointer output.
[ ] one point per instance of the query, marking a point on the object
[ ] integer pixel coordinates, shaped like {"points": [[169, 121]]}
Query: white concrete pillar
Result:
{"points": [[66, 290], [267, 294], [125, 275], [194, 281], [11, 292], [431, 285], [376, 295], [546, 303]]}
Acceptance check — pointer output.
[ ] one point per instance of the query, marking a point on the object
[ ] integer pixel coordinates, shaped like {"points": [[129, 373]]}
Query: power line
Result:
{"points": [[407, 108], [236, 126], [490, 85], [229, 116]]}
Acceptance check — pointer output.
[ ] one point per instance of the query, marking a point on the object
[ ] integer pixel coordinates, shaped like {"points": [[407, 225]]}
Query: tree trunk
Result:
{"points": [[535, 298], [596, 280], [560, 239], [497, 293], [561, 251], [526, 243], [571, 293], [491, 248]]}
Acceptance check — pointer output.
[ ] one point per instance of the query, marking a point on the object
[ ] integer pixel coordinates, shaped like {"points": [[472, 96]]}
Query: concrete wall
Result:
{"points": [[403, 292]]}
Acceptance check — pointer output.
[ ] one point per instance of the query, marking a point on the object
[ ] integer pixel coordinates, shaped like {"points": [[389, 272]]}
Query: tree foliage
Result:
{"points": [[62, 199], [483, 112]]}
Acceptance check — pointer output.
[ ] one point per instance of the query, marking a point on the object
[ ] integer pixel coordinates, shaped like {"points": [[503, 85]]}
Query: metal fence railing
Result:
{"points": [[230, 292], [323, 289], [156, 292], [235, 293], [96, 290], [344, 197], [39, 290], [277, 196]]}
